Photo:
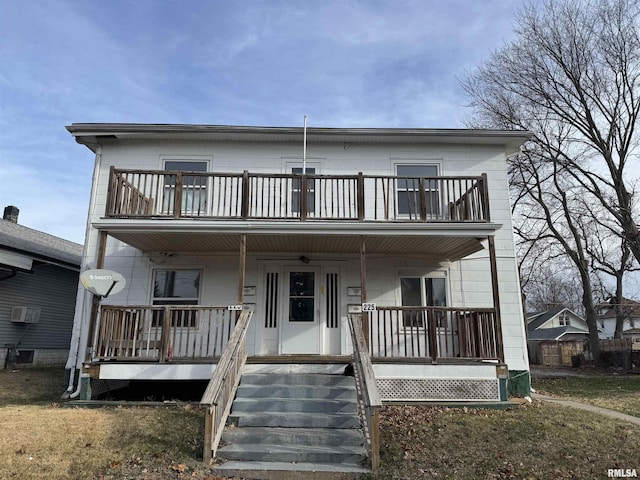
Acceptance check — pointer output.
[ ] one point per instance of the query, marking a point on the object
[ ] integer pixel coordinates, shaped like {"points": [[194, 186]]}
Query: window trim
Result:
{"points": [[194, 197], [153, 298], [422, 276], [401, 162]]}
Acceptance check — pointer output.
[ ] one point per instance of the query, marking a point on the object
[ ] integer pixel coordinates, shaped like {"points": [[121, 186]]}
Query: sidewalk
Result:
{"points": [[590, 408]]}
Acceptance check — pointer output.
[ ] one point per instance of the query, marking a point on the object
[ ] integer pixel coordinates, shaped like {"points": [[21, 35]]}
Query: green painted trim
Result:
{"points": [[85, 388], [502, 382], [519, 383]]}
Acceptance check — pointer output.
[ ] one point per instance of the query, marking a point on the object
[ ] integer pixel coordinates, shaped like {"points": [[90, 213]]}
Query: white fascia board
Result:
{"points": [[298, 228]]}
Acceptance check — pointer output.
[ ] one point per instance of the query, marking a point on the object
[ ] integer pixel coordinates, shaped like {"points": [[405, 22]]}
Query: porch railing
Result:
{"points": [[222, 387], [368, 394], [434, 333], [161, 332], [169, 194]]}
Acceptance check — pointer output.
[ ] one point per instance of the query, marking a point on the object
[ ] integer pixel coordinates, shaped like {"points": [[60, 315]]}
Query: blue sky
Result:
{"points": [[392, 63]]}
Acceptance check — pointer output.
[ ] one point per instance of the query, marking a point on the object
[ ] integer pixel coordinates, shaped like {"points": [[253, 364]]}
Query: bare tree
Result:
{"points": [[572, 78], [576, 65]]}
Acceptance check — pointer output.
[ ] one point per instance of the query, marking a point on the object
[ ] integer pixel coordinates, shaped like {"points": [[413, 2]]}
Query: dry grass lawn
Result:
{"points": [[616, 392], [51, 442], [533, 442]]}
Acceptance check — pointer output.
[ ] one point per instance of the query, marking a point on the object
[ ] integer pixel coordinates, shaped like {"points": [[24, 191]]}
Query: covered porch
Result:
{"points": [[199, 333]]}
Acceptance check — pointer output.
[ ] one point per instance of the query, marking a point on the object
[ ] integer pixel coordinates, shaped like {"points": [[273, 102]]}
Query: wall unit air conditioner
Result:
{"points": [[25, 314]]}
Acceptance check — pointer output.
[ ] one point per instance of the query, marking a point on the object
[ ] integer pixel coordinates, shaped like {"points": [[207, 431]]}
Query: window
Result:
{"points": [[301, 296], [408, 190], [194, 187], [421, 291], [176, 287], [564, 320], [296, 188]]}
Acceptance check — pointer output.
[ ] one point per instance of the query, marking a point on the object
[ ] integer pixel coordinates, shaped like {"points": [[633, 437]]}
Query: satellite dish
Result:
{"points": [[102, 282]]}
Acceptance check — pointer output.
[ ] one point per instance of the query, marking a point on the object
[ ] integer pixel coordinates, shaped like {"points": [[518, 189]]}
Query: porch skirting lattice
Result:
{"points": [[416, 389]]}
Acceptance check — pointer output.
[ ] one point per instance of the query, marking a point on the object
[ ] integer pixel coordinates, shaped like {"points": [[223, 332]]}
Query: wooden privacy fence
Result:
{"points": [[170, 194], [161, 332], [615, 345], [434, 332], [222, 387], [559, 353]]}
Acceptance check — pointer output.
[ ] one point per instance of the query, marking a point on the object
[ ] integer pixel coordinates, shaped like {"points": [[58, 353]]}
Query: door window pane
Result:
{"points": [[301, 309], [301, 296]]}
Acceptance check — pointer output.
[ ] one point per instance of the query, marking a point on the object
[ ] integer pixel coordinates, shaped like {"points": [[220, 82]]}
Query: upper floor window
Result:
{"points": [[194, 187], [410, 198], [421, 292], [564, 320], [296, 191]]}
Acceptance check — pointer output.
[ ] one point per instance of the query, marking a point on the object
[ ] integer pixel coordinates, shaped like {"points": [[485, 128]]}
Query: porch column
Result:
{"points": [[496, 293], [363, 289], [241, 268]]}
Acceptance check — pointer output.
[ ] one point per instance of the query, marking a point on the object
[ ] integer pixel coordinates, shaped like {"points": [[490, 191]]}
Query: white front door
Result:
{"points": [[300, 332]]}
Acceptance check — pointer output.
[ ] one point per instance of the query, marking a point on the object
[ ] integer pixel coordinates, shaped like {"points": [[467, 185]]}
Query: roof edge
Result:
{"points": [[114, 128]]}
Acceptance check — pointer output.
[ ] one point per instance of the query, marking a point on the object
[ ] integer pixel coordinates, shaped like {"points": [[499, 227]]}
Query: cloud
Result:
{"points": [[256, 62]]}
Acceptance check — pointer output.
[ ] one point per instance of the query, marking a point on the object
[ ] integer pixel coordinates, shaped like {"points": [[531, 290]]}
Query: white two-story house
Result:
{"points": [[408, 229]]}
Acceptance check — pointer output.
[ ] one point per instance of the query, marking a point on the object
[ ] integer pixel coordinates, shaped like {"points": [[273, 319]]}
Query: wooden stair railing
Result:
{"points": [[222, 387], [368, 395]]}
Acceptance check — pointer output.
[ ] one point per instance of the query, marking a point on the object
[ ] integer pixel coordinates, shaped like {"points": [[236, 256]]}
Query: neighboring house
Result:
{"points": [[559, 323], [607, 320], [413, 226], [554, 336], [38, 288]]}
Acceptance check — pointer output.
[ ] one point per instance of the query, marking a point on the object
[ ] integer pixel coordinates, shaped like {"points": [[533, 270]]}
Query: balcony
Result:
{"points": [[147, 194]]}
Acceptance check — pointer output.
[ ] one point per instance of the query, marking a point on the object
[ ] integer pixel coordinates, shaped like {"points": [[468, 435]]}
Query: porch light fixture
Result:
{"points": [[304, 259]]}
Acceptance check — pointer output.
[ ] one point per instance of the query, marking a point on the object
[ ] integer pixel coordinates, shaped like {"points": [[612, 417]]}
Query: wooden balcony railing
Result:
{"points": [[162, 333], [434, 333], [169, 194]]}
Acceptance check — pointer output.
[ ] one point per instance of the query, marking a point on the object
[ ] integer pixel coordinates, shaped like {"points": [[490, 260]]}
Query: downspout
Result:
{"points": [[76, 339]]}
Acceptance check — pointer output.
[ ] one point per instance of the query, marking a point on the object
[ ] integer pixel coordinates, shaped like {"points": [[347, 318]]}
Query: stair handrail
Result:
{"points": [[369, 396], [222, 387]]}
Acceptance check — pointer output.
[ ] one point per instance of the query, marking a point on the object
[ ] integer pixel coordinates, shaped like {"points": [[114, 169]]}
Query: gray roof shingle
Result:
{"points": [[38, 244]]}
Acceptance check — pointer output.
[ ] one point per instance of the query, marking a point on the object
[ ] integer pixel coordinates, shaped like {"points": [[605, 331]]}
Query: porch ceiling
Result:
{"points": [[443, 247]]}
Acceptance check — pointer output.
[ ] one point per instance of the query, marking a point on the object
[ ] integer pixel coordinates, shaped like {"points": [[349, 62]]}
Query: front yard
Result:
{"points": [[616, 392], [538, 441]]}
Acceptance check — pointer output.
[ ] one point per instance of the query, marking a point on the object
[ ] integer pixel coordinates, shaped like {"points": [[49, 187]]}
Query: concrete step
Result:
{"points": [[297, 391], [293, 420], [288, 425], [291, 405], [297, 379], [336, 454], [290, 471], [294, 436]]}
